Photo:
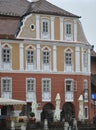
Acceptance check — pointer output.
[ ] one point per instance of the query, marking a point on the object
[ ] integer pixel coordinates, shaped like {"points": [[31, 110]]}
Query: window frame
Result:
{"points": [[47, 88], [71, 85], [9, 87], [45, 28], [33, 83]]}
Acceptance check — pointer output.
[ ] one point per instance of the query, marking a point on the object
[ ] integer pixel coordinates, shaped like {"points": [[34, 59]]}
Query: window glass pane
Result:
{"points": [[6, 84], [6, 55], [45, 27], [46, 85], [68, 29], [46, 57], [68, 58], [30, 56], [31, 85]]}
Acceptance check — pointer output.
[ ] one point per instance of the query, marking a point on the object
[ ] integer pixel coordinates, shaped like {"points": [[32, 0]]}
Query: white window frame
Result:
{"points": [[45, 27], [46, 63], [33, 83], [30, 56], [31, 66], [68, 55], [8, 91], [71, 85], [68, 31], [85, 60], [7, 64], [85, 90], [46, 95]]}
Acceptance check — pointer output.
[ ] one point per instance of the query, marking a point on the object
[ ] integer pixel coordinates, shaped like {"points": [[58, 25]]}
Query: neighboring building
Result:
{"points": [[43, 51], [93, 78]]}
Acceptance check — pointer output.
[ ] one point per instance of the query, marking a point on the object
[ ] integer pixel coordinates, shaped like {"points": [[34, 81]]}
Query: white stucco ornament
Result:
{"points": [[57, 111]]}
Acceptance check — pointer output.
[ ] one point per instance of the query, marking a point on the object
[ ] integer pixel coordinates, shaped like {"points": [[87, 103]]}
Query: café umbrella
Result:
{"points": [[6, 101]]}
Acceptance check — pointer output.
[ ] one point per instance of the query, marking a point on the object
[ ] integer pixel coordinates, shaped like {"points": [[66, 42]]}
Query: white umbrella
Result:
{"points": [[34, 108], [57, 111], [6, 101], [81, 109]]}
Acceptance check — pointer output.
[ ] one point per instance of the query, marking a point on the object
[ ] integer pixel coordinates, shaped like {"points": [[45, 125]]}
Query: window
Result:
{"points": [[6, 55], [68, 58], [85, 90], [86, 112], [33, 27], [68, 64], [69, 85], [31, 85], [46, 61], [30, 56], [46, 57], [68, 29], [46, 85], [85, 59], [45, 27], [6, 85]]}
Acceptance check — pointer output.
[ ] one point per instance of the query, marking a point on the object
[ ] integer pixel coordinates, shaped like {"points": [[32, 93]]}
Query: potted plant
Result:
{"points": [[32, 121]]}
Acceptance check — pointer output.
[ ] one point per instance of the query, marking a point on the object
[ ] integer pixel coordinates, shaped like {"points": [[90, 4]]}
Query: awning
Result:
{"points": [[5, 101]]}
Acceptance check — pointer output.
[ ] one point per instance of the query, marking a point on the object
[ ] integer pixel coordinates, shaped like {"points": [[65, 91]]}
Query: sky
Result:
{"points": [[84, 8]]}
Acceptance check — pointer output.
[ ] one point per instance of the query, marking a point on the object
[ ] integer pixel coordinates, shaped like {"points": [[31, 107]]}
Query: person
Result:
{"points": [[94, 119]]}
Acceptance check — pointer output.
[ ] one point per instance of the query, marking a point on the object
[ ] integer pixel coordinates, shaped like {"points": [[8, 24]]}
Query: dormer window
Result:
{"points": [[68, 31], [45, 29]]}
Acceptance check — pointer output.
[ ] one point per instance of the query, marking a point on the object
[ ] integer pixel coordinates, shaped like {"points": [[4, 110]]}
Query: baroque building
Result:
{"points": [[44, 51]]}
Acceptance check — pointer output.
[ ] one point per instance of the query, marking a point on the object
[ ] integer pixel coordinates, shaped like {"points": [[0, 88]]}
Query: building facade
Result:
{"points": [[44, 51]]}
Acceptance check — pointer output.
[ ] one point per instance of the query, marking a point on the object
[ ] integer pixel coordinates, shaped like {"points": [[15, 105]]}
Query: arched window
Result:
{"points": [[46, 60], [30, 57], [68, 59], [6, 56]]}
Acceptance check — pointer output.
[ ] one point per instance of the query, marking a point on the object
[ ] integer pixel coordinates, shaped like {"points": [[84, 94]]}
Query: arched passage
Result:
{"points": [[47, 112], [68, 111]]}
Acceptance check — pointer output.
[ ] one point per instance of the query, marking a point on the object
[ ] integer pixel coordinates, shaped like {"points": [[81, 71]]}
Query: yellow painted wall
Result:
{"points": [[15, 56], [26, 30], [57, 28]]}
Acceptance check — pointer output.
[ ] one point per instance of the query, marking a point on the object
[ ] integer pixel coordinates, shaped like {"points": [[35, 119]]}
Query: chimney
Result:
{"points": [[32, 0]]}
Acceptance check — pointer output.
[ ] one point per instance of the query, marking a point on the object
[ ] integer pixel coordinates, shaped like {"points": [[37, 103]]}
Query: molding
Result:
{"points": [[21, 27]]}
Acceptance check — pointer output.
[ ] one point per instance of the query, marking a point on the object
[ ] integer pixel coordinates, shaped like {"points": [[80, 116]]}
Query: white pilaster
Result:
{"points": [[37, 26], [77, 57], [21, 57], [75, 30], [0, 55], [82, 60], [89, 67], [54, 59], [52, 28], [38, 57], [61, 28]]}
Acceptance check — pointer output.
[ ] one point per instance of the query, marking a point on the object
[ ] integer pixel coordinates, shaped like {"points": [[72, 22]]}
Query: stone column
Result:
{"points": [[77, 58], [38, 57], [21, 57], [37, 26], [61, 28], [52, 28], [75, 30], [54, 59]]}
